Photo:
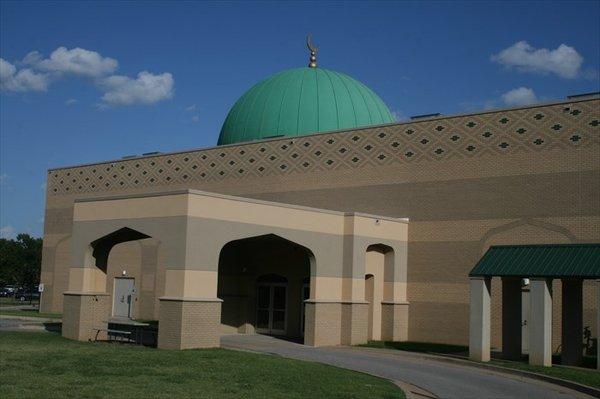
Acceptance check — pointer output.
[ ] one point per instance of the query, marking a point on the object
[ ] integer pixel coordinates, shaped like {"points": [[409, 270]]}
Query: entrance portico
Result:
{"points": [[540, 264], [194, 229]]}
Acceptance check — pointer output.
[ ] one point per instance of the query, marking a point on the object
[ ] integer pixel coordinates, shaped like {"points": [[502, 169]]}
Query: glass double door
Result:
{"points": [[271, 308]]}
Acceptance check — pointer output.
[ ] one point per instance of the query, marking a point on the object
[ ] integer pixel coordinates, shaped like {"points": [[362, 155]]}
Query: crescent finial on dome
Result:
{"points": [[313, 52]]}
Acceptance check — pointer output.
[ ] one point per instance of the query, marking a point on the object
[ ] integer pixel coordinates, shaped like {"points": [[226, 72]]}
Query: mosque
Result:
{"points": [[319, 217]]}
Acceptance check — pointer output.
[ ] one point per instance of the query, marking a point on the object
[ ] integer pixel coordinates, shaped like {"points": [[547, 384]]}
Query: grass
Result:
{"points": [[29, 313], [45, 365], [583, 376], [580, 375]]}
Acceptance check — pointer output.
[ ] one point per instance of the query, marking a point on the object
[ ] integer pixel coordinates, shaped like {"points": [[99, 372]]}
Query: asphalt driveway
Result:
{"points": [[442, 379]]}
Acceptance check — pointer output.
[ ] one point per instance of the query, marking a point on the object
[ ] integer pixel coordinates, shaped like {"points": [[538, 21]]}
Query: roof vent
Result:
{"points": [[152, 153], [412, 118], [594, 94], [128, 156]]}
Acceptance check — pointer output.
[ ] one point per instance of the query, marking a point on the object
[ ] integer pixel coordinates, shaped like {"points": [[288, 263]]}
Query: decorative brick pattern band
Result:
{"points": [[517, 131]]}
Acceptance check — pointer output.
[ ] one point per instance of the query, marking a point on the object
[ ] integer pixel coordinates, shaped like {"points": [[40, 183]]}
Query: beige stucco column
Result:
{"points": [[511, 317], [540, 327], [354, 308], [190, 312], [86, 304], [479, 320], [395, 306], [572, 322], [323, 310]]}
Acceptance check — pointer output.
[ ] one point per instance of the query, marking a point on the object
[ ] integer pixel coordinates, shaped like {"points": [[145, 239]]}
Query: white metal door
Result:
{"points": [[124, 289], [525, 320], [271, 306]]}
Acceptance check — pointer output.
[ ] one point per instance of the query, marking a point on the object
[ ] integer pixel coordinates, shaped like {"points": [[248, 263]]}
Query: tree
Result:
{"points": [[20, 261]]}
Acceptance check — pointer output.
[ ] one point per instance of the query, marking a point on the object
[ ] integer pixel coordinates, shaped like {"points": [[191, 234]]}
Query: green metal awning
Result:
{"points": [[560, 260]]}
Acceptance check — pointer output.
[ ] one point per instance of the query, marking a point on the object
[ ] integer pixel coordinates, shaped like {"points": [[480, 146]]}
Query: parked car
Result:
{"points": [[7, 291], [25, 295]]}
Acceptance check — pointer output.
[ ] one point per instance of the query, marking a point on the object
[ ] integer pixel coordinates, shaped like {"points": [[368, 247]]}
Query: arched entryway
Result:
{"points": [[120, 256], [263, 284]]}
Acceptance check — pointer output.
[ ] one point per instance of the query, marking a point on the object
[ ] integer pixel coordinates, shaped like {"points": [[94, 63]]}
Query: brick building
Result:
{"points": [[319, 216]]}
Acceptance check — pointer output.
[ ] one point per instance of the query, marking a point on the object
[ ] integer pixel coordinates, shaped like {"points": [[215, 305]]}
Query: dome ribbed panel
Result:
{"points": [[302, 101], [290, 106]]}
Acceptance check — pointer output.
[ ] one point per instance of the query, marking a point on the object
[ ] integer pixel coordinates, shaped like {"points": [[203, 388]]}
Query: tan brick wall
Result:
{"points": [[189, 324]]}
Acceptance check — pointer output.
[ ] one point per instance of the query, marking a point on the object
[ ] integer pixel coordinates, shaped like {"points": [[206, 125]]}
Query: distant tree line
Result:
{"points": [[20, 261]]}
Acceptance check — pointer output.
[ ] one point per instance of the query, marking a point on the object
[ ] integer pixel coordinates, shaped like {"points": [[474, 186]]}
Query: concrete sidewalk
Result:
{"points": [[24, 323], [442, 379]]}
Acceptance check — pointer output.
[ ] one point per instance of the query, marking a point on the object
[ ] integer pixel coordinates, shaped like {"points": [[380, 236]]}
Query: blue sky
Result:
{"points": [[84, 82]]}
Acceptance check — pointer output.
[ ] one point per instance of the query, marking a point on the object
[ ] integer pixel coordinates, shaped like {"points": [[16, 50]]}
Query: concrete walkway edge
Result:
{"points": [[586, 389]]}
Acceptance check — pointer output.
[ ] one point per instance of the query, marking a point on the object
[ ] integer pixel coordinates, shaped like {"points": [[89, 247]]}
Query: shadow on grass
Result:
{"points": [[423, 347], [54, 327]]}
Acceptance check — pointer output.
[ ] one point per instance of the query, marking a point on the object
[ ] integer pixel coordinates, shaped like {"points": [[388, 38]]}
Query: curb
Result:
{"points": [[28, 318], [412, 391], [586, 389]]}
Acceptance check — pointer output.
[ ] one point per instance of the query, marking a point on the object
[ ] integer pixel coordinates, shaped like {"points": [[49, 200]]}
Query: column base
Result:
{"points": [[83, 312], [355, 323], [188, 323], [394, 321], [540, 324], [323, 323]]}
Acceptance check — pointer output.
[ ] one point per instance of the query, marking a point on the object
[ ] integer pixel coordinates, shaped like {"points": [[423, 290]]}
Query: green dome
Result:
{"points": [[302, 101]]}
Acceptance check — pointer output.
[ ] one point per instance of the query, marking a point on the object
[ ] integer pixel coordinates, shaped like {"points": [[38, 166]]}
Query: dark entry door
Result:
{"points": [[271, 308]]}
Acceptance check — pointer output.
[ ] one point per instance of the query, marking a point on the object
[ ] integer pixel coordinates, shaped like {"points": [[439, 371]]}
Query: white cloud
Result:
{"points": [[7, 232], [399, 116], [191, 108], [519, 96], [23, 80], [195, 118], [563, 61], [77, 61], [147, 88]]}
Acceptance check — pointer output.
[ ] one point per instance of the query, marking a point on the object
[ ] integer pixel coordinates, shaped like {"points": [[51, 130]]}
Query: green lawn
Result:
{"points": [[45, 365], [29, 313], [580, 375]]}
